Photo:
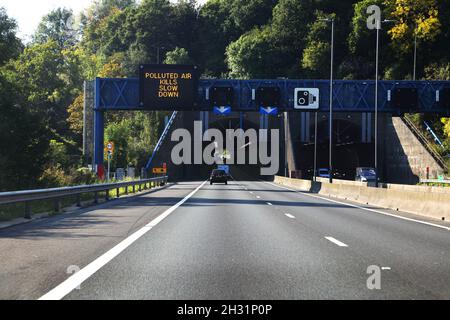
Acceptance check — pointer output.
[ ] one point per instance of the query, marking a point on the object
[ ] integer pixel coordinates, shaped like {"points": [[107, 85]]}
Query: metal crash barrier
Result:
{"points": [[58, 194]]}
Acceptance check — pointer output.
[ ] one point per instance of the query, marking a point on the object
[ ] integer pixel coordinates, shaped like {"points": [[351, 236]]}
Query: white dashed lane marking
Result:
{"points": [[337, 242]]}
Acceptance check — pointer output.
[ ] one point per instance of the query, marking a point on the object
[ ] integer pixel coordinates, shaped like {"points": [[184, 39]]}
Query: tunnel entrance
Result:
{"points": [[348, 150], [247, 171]]}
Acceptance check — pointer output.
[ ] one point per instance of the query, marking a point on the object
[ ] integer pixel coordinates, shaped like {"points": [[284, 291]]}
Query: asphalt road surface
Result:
{"points": [[247, 240]]}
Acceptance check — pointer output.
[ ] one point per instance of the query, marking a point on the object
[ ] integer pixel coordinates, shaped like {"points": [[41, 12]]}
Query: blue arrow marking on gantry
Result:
{"points": [[268, 111], [222, 110]]}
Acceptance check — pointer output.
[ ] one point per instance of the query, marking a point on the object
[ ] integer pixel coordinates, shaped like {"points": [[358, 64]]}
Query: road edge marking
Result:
{"points": [[70, 284], [362, 208]]}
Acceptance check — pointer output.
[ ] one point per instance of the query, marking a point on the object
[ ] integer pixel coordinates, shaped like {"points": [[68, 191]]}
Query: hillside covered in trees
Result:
{"points": [[41, 82]]}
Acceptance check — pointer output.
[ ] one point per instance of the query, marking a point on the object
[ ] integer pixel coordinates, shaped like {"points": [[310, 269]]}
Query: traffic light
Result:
{"points": [[406, 99], [268, 97], [222, 96]]}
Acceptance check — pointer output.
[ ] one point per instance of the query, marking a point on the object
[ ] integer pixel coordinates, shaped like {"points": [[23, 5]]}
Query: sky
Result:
{"points": [[28, 13]]}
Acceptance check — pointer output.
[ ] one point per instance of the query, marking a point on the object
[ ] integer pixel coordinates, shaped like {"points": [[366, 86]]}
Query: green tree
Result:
{"points": [[316, 55], [361, 38], [119, 134], [41, 77], [102, 8], [59, 25], [178, 56], [418, 18], [10, 45], [290, 27], [103, 25], [216, 30], [254, 56], [147, 27], [184, 26], [104, 37], [360, 64], [24, 142], [251, 13]]}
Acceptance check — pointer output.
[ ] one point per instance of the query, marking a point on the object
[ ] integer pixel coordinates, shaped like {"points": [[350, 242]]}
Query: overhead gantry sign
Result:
{"points": [[178, 88], [168, 87]]}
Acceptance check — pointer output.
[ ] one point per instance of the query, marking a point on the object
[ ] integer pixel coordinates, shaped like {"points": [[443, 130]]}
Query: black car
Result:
{"points": [[218, 176]]}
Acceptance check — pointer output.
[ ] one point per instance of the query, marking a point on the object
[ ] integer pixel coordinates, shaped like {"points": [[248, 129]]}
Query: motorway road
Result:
{"points": [[247, 240]]}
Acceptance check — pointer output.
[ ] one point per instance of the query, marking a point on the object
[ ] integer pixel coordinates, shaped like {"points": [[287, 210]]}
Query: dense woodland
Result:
{"points": [[41, 82]]}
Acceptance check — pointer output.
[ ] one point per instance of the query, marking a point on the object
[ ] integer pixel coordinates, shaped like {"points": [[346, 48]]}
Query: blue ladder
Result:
{"points": [[435, 137], [161, 139]]}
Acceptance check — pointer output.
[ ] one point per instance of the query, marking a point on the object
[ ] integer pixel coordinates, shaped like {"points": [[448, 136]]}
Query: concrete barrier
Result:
{"points": [[433, 202]]}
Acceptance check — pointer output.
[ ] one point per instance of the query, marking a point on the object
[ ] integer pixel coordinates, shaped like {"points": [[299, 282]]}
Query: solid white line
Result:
{"points": [[337, 242], [362, 208], [269, 204], [78, 278], [386, 268], [289, 215]]}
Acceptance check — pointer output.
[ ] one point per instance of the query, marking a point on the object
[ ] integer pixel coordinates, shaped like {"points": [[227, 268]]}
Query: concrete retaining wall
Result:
{"points": [[405, 156], [431, 202]]}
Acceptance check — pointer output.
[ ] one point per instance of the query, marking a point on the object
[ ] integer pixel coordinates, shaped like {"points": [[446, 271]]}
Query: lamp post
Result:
{"points": [[158, 51], [415, 53], [159, 48], [315, 147], [331, 98], [379, 23], [286, 161]]}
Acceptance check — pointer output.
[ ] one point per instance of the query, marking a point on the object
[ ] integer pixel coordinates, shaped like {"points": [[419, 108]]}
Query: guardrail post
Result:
{"points": [[107, 195], [126, 190], [140, 187], [27, 210], [134, 188], [78, 201], [96, 198], [57, 205], [118, 192]]}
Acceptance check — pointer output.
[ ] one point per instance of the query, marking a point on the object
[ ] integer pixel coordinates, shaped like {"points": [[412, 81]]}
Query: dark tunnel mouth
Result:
{"points": [[348, 152], [250, 172]]}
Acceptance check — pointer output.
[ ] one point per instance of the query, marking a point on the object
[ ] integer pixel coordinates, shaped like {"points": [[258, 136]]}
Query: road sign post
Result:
{"points": [[109, 167], [110, 147]]}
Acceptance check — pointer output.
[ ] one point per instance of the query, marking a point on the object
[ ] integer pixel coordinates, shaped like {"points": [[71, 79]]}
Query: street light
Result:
{"points": [[158, 50], [415, 53], [331, 98], [379, 22], [315, 147]]}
